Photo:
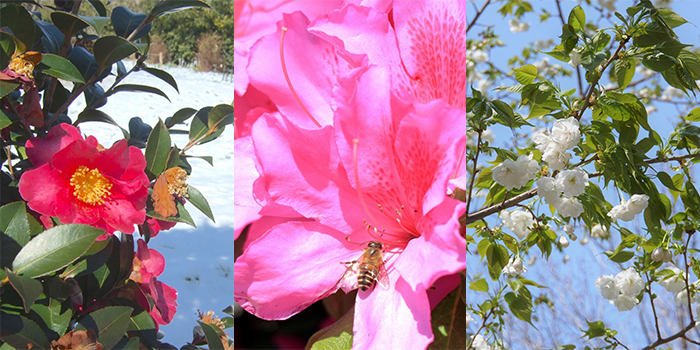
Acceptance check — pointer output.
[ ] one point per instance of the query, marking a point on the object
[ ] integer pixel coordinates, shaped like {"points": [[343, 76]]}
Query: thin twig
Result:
{"points": [[589, 93], [483, 324], [476, 159], [653, 308], [478, 14]]}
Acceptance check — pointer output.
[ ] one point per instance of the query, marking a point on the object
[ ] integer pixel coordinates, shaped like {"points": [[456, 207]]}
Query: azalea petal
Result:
{"points": [[362, 31], [248, 108], [440, 251], [301, 170], [311, 65], [397, 318], [432, 41], [289, 268]]}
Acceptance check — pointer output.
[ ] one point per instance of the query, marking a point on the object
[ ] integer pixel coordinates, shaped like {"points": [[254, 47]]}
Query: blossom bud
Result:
{"points": [[668, 256], [573, 236], [563, 241], [569, 229], [658, 254], [584, 240]]}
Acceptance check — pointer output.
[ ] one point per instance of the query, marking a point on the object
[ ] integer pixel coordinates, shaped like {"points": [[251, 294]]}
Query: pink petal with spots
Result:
{"points": [[405, 154], [432, 41], [288, 268]]}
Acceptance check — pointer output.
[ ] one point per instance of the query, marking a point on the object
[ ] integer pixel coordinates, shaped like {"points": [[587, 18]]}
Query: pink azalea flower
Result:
{"points": [[254, 19], [79, 181], [379, 174]]}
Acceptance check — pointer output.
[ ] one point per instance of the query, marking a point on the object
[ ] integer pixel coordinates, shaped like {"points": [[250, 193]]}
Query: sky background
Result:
{"points": [[572, 283]]}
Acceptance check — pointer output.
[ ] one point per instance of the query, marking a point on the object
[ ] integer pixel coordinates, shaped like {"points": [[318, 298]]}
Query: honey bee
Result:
{"points": [[369, 269]]}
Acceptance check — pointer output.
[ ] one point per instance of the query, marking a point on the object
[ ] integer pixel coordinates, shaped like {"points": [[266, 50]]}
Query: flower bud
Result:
{"points": [[563, 241], [668, 256], [569, 229], [657, 254], [584, 240], [573, 236]]}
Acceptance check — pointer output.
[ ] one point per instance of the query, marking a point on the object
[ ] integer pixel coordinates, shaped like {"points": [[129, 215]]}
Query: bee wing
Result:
{"points": [[383, 276], [348, 281]]}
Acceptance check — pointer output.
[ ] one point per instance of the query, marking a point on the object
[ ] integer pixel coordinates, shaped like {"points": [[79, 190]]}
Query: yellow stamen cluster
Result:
{"points": [[21, 66], [89, 186], [209, 318], [177, 178]]}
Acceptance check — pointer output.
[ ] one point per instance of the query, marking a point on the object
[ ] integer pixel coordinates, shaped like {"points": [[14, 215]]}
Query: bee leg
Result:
{"points": [[348, 262]]}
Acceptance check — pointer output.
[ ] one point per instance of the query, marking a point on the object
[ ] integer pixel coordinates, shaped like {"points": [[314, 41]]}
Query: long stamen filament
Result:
{"points": [[289, 82], [461, 159]]}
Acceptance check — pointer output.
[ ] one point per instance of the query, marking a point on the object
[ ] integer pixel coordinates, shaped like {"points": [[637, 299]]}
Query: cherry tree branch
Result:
{"points": [[483, 324], [476, 158], [478, 14]]}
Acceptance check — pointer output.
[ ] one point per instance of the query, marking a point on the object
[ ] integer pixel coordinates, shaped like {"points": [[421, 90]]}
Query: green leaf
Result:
{"points": [[671, 18], [158, 149], [212, 337], [137, 88], [169, 6], [520, 304], [20, 23], [448, 322], [7, 87], [208, 159], [61, 68], [197, 128], [28, 288], [577, 18], [94, 115], [667, 181], [92, 261], [125, 22], [110, 324], [55, 308], [164, 76], [68, 23], [54, 248], [220, 116], [19, 331], [182, 216], [624, 71], [620, 256], [197, 199], [14, 231], [111, 49], [96, 22], [694, 115], [479, 285], [334, 337], [526, 74], [658, 62], [180, 116], [99, 7]]}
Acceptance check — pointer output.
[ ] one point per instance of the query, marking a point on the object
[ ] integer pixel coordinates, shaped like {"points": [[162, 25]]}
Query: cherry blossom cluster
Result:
{"points": [[564, 136], [621, 289], [627, 210]]}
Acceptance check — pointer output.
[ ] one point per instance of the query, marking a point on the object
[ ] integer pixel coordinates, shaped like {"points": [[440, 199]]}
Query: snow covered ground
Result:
{"points": [[198, 262]]}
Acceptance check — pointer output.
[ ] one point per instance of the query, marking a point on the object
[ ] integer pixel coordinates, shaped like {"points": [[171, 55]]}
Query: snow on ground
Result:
{"points": [[198, 262]]}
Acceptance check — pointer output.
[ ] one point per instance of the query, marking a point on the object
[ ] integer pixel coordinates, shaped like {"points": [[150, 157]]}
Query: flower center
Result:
{"points": [[400, 227], [90, 186], [24, 64]]}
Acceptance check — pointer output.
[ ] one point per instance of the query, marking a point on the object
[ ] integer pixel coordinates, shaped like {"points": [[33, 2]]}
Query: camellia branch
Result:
{"points": [[478, 215], [478, 14]]}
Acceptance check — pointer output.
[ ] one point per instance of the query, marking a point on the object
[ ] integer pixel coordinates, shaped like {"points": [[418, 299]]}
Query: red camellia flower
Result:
{"points": [[147, 265], [79, 181]]}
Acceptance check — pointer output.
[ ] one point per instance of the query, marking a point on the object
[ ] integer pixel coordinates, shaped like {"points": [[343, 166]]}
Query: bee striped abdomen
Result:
{"points": [[367, 276]]}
